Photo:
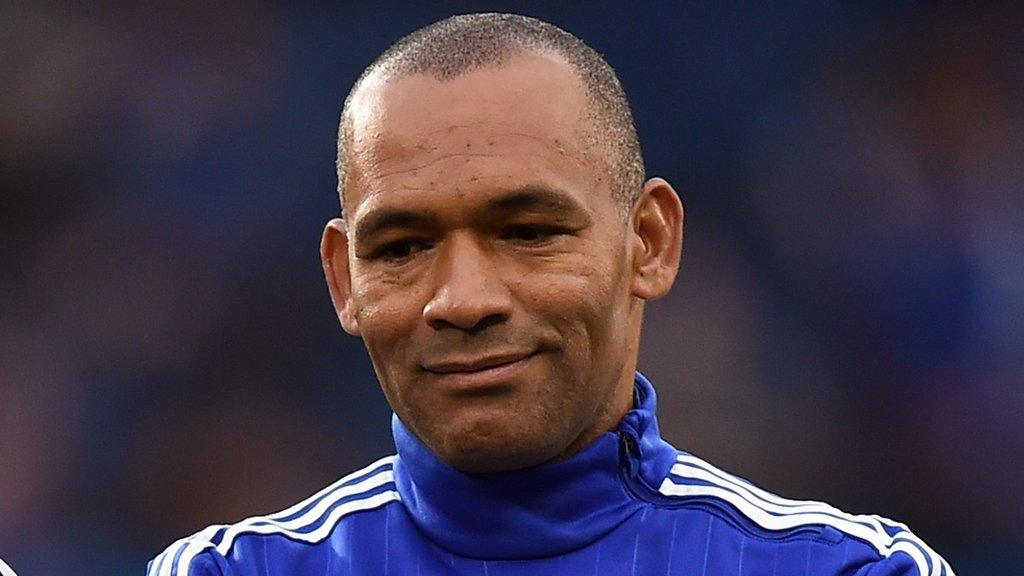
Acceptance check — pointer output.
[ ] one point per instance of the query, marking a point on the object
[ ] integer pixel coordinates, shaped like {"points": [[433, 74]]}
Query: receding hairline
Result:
{"points": [[382, 79], [383, 74], [456, 46]]}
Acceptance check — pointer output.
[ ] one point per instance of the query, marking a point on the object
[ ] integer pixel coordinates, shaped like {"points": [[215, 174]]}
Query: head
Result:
{"points": [[498, 239]]}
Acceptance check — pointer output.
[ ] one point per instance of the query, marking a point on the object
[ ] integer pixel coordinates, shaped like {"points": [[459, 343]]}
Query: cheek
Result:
{"points": [[387, 316], [582, 303], [384, 300]]}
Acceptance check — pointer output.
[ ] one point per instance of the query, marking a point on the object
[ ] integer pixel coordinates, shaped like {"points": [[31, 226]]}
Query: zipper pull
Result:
{"points": [[629, 451]]}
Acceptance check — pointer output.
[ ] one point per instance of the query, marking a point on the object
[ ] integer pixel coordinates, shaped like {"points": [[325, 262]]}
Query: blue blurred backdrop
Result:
{"points": [[847, 324]]}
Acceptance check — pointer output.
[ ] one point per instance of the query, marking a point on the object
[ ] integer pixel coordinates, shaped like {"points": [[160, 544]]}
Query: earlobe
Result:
{"points": [[657, 228], [334, 257]]}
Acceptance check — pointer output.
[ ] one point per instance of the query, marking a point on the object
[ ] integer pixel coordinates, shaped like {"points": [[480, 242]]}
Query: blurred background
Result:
{"points": [[847, 325]]}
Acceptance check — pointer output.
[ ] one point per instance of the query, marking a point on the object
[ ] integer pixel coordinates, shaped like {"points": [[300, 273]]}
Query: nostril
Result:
{"points": [[466, 323], [488, 321]]}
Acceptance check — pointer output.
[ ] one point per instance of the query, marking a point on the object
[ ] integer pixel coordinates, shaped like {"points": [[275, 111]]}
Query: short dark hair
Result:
{"points": [[459, 44]]}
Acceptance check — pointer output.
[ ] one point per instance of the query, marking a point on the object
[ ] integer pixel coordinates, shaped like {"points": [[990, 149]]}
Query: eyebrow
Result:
{"points": [[385, 219], [523, 199], [534, 197]]}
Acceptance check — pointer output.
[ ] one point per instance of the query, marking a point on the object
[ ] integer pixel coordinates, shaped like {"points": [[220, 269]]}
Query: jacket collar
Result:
{"points": [[545, 510]]}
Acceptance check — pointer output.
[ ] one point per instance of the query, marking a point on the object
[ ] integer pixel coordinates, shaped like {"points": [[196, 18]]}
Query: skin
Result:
{"points": [[486, 265]]}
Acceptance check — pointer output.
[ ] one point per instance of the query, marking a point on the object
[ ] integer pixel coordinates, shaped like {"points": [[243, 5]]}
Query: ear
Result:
{"points": [[334, 255], [657, 230]]}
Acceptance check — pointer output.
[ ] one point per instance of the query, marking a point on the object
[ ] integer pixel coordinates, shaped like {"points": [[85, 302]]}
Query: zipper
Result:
{"points": [[629, 453]]}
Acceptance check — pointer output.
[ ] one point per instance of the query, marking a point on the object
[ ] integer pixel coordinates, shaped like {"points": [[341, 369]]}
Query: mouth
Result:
{"points": [[471, 374]]}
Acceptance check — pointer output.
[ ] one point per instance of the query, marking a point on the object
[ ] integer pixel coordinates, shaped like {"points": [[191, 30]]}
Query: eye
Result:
{"points": [[399, 251], [532, 234]]}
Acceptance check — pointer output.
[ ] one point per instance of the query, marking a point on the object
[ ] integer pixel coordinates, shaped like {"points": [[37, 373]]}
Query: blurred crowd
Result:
{"points": [[847, 325]]}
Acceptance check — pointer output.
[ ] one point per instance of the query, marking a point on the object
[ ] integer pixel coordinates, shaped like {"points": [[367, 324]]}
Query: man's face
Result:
{"points": [[488, 262]]}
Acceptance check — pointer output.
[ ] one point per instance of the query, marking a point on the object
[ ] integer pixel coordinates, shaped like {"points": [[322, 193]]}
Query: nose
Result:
{"points": [[470, 294]]}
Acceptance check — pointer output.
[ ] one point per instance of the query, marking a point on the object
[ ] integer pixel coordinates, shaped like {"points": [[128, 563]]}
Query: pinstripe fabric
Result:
{"points": [[630, 504]]}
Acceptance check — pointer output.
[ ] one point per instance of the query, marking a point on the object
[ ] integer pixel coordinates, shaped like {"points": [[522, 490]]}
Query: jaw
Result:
{"points": [[482, 452], [491, 434]]}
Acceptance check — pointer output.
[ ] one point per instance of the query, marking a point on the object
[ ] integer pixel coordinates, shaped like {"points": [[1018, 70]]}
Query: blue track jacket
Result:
{"points": [[629, 504]]}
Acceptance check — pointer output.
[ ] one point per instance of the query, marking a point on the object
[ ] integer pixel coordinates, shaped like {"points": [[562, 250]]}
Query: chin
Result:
{"points": [[476, 454], [490, 462]]}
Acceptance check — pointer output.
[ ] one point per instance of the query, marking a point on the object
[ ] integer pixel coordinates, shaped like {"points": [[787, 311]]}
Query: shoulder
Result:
{"points": [[885, 547], [6, 570], [209, 551]]}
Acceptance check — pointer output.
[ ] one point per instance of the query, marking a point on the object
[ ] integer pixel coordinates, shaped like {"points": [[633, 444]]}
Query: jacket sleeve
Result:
{"points": [[184, 558], [924, 562]]}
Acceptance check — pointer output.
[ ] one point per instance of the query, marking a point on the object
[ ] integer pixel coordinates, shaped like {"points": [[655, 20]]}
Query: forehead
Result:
{"points": [[534, 89], [522, 122]]}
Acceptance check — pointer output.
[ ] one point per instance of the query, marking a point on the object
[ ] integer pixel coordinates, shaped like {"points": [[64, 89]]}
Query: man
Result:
{"points": [[497, 245]]}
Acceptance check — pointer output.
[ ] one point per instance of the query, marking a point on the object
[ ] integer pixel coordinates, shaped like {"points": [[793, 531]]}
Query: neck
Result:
{"points": [[611, 414], [558, 506]]}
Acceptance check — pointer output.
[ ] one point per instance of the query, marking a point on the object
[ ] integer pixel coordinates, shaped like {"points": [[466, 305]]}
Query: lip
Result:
{"points": [[475, 373], [455, 366]]}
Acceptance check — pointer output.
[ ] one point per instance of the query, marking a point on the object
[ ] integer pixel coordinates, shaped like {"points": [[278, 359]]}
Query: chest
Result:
{"points": [[654, 542]]}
